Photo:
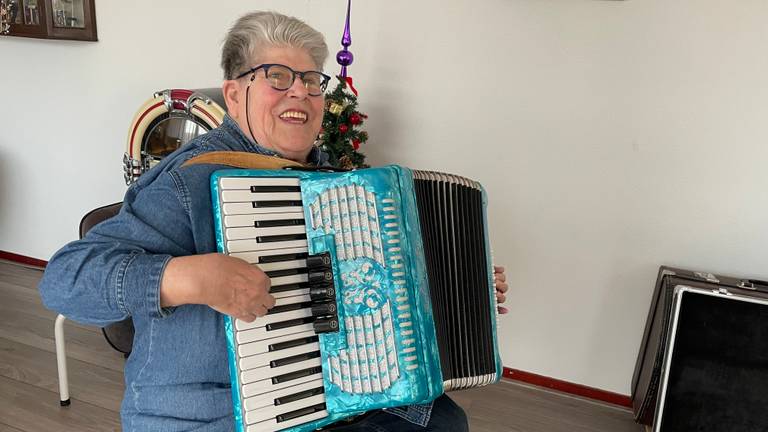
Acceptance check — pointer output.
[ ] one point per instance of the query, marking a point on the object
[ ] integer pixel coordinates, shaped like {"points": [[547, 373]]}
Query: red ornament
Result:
{"points": [[343, 128], [355, 119], [356, 144]]}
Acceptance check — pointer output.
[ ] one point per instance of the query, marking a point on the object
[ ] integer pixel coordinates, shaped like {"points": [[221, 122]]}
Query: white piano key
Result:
{"points": [[263, 359], [253, 245], [240, 233], [273, 425], [273, 318], [268, 399], [273, 411], [249, 220], [283, 265], [228, 196], [261, 387], [258, 347], [292, 297], [290, 279], [247, 182], [245, 208], [261, 333], [262, 377]]}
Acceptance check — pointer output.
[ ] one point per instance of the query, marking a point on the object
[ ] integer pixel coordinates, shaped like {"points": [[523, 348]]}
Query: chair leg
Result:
{"points": [[61, 360]]}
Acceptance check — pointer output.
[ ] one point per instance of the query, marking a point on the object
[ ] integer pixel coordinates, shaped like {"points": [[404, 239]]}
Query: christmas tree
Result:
{"points": [[341, 136]]}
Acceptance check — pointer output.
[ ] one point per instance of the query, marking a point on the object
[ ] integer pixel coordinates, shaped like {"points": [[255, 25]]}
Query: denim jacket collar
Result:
{"points": [[316, 157]]}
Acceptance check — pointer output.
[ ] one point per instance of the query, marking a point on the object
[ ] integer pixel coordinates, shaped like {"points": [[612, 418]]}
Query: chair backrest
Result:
{"points": [[120, 334], [98, 215]]}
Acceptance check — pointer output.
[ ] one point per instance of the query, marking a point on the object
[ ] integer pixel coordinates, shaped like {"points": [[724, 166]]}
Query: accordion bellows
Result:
{"points": [[411, 312]]}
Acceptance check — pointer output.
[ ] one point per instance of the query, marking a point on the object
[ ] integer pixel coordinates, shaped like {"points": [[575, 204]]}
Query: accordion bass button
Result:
{"points": [[321, 293], [319, 262], [324, 309], [323, 277], [326, 325]]}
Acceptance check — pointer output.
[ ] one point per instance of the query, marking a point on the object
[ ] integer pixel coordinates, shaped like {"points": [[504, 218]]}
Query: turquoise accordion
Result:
{"points": [[384, 291]]}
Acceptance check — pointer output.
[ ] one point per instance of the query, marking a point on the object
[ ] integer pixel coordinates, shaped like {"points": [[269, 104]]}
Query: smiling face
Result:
{"points": [[285, 121]]}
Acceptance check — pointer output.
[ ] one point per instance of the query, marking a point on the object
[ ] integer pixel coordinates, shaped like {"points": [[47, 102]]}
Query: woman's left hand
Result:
{"points": [[500, 282]]}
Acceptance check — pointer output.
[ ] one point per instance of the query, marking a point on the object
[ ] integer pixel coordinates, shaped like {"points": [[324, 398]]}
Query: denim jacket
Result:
{"points": [[177, 376]]}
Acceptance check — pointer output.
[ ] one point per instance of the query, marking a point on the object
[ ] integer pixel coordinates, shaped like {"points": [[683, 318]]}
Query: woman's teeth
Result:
{"points": [[294, 115]]}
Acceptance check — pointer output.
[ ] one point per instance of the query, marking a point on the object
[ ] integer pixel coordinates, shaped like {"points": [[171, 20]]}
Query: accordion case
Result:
{"points": [[384, 291], [703, 361]]}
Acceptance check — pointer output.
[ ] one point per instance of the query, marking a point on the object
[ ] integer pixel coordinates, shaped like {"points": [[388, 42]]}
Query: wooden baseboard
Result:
{"points": [[567, 387], [21, 259], [509, 373]]}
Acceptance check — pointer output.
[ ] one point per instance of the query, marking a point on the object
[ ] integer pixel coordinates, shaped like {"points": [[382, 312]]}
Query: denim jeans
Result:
{"points": [[444, 416]]}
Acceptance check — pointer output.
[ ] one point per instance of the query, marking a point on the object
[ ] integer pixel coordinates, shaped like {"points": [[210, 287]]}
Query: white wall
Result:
{"points": [[612, 136]]}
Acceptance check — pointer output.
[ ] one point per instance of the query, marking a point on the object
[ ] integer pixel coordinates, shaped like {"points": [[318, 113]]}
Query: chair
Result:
{"points": [[119, 335]]}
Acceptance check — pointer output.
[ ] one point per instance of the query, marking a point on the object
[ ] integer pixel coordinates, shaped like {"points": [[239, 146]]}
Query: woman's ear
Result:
{"points": [[234, 97]]}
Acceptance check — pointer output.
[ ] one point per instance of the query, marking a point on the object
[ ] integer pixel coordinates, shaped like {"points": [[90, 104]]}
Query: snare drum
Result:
{"points": [[167, 121]]}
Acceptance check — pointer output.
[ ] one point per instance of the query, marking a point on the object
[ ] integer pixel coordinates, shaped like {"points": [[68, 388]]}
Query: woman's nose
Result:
{"points": [[298, 89]]}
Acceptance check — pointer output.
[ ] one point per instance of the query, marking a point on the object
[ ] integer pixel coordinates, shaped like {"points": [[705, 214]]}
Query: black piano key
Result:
{"points": [[292, 343], [296, 375], [286, 272], [275, 188], [293, 359], [279, 258], [288, 307], [289, 323], [288, 287], [300, 413], [277, 223], [268, 204], [299, 396], [280, 238]]}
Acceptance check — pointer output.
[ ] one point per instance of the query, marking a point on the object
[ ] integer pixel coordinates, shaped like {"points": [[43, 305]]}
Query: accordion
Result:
{"points": [[383, 284]]}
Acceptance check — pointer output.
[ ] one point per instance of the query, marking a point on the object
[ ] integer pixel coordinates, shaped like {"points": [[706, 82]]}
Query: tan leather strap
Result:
{"points": [[242, 160]]}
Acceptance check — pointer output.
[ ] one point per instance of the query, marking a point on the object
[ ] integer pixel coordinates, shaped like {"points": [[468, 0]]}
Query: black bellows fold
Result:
{"points": [[453, 228]]}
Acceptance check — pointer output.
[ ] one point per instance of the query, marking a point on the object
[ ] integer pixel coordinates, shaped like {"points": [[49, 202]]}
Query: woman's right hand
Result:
{"points": [[226, 284]]}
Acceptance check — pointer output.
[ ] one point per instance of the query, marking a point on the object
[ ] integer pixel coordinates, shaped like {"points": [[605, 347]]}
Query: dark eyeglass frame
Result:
{"points": [[266, 66]]}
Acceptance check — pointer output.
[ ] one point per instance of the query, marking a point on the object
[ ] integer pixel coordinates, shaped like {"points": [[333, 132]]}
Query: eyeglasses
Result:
{"points": [[281, 77]]}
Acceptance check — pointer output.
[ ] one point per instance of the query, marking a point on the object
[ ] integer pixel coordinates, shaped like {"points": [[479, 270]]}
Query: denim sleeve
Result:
{"points": [[116, 269]]}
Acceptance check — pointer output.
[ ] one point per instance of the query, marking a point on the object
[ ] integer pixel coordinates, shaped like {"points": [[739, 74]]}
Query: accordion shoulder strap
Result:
{"points": [[242, 160]]}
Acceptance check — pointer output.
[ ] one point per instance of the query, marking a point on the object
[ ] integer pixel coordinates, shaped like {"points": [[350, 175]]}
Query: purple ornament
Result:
{"points": [[345, 57]]}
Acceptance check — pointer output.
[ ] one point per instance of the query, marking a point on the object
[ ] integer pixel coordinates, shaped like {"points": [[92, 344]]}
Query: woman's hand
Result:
{"points": [[500, 282], [226, 284]]}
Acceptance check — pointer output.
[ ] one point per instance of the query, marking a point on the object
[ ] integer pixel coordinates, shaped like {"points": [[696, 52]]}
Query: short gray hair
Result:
{"points": [[256, 31]]}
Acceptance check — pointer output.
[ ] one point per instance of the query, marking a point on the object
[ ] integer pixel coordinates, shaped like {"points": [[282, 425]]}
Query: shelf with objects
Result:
{"points": [[49, 19]]}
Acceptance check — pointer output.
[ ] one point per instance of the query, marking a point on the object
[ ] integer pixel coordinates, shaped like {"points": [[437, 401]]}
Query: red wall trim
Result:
{"points": [[509, 373], [10, 256], [567, 387]]}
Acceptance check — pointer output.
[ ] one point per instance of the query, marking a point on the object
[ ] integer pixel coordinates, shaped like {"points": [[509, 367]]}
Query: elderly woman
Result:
{"points": [[156, 261]]}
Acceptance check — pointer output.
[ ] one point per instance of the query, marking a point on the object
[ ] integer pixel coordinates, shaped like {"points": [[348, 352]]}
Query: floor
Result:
{"points": [[29, 385]]}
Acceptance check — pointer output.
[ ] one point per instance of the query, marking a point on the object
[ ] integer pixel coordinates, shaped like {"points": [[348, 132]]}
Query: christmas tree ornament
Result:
{"points": [[335, 108], [343, 128], [356, 144], [345, 57], [355, 118]]}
